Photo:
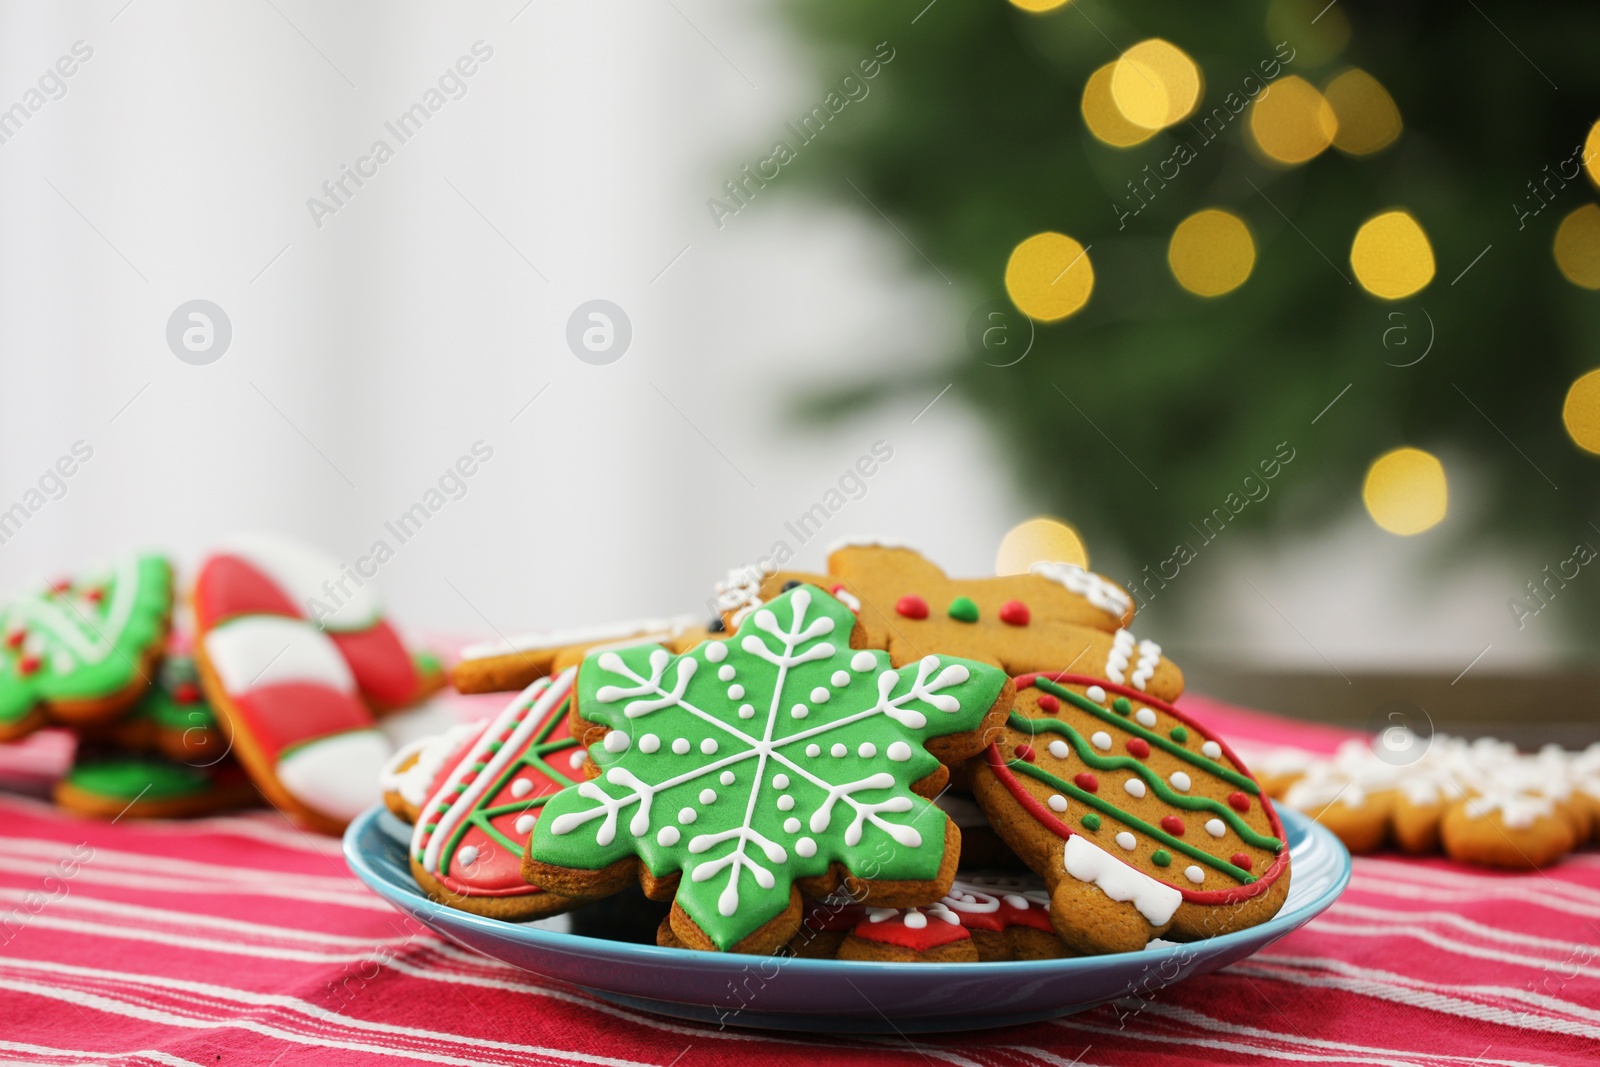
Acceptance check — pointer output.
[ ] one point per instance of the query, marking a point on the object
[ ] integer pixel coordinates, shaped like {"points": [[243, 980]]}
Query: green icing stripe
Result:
{"points": [[533, 757], [1242, 781], [1127, 763], [1086, 797]]}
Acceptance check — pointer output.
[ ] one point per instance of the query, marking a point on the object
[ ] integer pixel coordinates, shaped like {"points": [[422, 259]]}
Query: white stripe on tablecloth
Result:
{"points": [[1463, 924], [1285, 968], [45, 848], [269, 827], [1435, 894], [282, 888], [46, 921], [79, 1055], [1509, 883], [1440, 941], [114, 1006]]}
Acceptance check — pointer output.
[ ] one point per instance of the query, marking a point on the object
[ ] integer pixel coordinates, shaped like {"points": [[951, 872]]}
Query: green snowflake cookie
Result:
{"points": [[751, 762], [81, 643]]}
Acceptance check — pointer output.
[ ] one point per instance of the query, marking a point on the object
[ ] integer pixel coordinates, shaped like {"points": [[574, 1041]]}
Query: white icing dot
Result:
{"points": [[687, 816], [799, 711], [916, 920], [819, 695], [716, 652], [577, 758], [863, 661], [1101, 740], [840, 678], [726, 778], [521, 788], [1211, 749], [616, 741], [726, 672], [735, 691], [1127, 840], [1057, 802], [467, 855], [708, 796], [668, 836], [1016, 901], [709, 745], [813, 750], [867, 750], [1134, 787], [1145, 717], [746, 711], [838, 750], [786, 803], [1180, 781], [525, 824], [1194, 874], [649, 743], [1059, 749], [681, 746], [1215, 827], [1096, 694], [791, 825], [898, 751], [806, 847], [780, 781]]}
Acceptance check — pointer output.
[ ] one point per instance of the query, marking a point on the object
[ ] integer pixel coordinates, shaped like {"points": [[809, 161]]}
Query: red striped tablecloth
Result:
{"points": [[244, 941]]}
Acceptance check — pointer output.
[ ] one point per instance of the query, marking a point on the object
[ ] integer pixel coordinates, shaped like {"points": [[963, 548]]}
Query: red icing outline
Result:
{"points": [[1046, 818], [894, 931]]}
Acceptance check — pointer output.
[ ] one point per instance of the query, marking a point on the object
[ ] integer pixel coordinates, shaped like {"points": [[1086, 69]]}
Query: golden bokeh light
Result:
{"points": [[1591, 153], [1040, 540], [1577, 247], [1581, 412], [1406, 491], [1292, 122], [1211, 252], [1039, 7], [1049, 276], [1319, 31], [1391, 256], [1101, 114], [1366, 116], [1155, 84]]}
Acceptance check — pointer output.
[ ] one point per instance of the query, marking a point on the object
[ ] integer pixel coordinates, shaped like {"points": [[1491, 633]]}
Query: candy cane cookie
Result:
{"points": [[484, 800], [83, 650], [1142, 823]]}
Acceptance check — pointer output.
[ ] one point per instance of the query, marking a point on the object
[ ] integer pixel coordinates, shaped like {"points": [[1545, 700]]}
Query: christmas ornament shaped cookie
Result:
{"points": [[267, 574], [1143, 824], [484, 800], [779, 761], [83, 650], [1058, 613], [498, 666]]}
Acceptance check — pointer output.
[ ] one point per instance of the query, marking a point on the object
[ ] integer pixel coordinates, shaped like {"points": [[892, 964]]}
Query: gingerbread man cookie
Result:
{"points": [[1056, 614], [1140, 821], [82, 650], [777, 762]]}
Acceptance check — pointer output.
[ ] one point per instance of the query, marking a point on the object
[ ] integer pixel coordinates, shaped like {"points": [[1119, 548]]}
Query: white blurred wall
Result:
{"points": [[371, 352]]}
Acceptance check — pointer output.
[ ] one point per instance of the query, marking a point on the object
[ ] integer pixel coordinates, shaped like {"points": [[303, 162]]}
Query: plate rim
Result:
{"points": [[1266, 932]]}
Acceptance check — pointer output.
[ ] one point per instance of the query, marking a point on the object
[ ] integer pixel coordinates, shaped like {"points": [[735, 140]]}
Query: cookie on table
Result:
{"points": [[778, 762], [1141, 822], [82, 650], [514, 664], [172, 718], [484, 800], [1058, 613], [110, 784], [264, 574]]}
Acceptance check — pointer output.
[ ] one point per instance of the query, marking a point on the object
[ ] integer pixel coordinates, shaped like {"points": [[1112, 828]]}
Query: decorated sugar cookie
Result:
{"points": [[1142, 823], [117, 784], [1057, 614], [267, 574], [172, 718], [761, 766], [83, 650], [499, 666], [485, 799]]}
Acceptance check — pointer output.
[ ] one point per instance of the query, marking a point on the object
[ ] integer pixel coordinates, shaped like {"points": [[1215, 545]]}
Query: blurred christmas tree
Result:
{"points": [[1173, 192]]}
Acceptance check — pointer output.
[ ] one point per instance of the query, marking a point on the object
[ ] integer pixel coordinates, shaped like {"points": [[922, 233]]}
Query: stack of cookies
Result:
{"points": [[277, 693], [823, 767]]}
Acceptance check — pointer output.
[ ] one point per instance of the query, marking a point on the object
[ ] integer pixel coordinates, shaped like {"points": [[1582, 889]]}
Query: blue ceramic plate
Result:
{"points": [[841, 995]]}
